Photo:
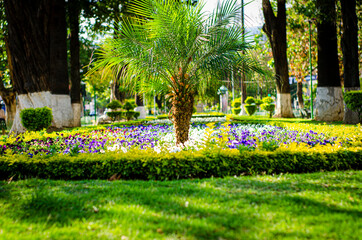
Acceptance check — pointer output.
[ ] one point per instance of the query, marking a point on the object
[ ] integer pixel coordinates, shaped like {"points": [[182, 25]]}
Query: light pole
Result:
{"points": [[310, 68]]}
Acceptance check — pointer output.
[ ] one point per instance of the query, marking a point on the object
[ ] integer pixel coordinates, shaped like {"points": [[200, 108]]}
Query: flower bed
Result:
{"points": [[160, 138], [149, 152]]}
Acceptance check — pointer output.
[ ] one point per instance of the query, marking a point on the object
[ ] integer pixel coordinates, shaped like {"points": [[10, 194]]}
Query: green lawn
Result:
{"points": [[304, 206]]}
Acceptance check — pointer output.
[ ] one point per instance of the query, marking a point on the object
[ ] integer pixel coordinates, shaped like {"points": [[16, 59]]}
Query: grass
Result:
{"points": [[304, 206]]}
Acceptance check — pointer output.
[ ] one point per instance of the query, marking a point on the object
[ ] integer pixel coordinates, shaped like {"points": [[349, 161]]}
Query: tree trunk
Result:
{"points": [[300, 94], [329, 99], [37, 44], [9, 94], [74, 11], [350, 54], [275, 29], [182, 108], [9, 98], [140, 106]]}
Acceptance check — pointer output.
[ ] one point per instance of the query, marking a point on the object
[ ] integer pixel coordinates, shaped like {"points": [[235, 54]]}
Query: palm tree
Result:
{"points": [[174, 48]]}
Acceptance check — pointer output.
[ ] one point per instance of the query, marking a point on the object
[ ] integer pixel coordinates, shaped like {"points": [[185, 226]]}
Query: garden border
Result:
{"points": [[147, 165]]}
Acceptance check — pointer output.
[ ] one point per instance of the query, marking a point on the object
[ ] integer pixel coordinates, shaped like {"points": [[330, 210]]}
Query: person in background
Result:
{"points": [[2, 120]]}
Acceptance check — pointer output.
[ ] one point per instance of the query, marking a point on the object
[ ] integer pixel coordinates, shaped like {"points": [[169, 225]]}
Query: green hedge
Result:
{"points": [[148, 165], [36, 119]]}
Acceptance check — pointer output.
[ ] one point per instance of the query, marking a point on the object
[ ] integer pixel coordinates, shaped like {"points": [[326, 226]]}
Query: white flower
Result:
{"points": [[157, 149], [124, 149]]}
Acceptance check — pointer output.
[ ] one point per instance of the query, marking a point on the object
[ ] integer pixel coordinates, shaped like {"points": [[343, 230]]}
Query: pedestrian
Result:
{"points": [[2, 121]]}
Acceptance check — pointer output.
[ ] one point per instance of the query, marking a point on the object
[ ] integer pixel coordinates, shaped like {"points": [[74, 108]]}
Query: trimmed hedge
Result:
{"points": [[236, 111], [147, 165], [36, 119]]}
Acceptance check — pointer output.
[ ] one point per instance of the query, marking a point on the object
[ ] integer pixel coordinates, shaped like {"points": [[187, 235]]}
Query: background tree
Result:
{"points": [[173, 48], [38, 52], [329, 99], [298, 43], [275, 29], [350, 53], [7, 91], [74, 9]]}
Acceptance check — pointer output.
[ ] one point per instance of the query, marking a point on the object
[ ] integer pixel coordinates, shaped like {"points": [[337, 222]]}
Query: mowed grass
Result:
{"points": [[304, 206]]}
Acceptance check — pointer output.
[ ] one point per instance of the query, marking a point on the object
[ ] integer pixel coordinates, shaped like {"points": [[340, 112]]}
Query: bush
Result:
{"points": [[250, 100], [250, 106], [36, 119], [114, 104], [236, 103], [130, 115], [129, 105], [116, 115], [258, 102], [250, 109], [268, 105], [353, 100], [146, 164], [236, 111], [136, 115]]}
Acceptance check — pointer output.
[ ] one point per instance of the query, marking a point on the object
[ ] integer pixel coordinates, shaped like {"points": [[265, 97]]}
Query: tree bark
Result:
{"points": [[350, 54], [182, 108], [275, 29], [74, 11], [37, 44], [329, 99]]}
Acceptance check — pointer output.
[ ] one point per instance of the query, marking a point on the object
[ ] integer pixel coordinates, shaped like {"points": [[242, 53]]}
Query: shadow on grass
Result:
{"points": [[4, 190], [228, 208], [47, 205]]}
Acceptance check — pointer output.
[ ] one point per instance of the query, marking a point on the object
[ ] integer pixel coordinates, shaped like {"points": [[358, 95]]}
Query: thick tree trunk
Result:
{"points": [[350, 54], [182, 108], [329, 99], [74, 11], [275, 29], [37, 44]]}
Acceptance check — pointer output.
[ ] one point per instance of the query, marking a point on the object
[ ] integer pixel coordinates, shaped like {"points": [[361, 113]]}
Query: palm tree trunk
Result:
{"points": [[182, 108]]}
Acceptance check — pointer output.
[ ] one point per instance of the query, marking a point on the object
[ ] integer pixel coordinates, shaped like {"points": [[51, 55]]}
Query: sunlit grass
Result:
{"points": [[305, 206]]}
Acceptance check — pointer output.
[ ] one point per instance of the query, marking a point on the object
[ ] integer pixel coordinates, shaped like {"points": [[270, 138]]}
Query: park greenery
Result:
{"points": [[186, 170]]}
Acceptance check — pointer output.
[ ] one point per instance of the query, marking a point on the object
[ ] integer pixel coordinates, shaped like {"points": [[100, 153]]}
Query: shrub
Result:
{"points": [[114, 104], [268, 105], [353, 100], [129, 105], [236, 111], [250, 106], [36, 119], [130, 115], [236, 103], [115, 115], [258, 102], [147, 164], [250, 109], [250, 100], [136, 115]]}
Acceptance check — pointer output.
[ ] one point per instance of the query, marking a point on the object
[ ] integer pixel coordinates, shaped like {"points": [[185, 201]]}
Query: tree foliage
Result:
{"points": [[173, 48]]}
